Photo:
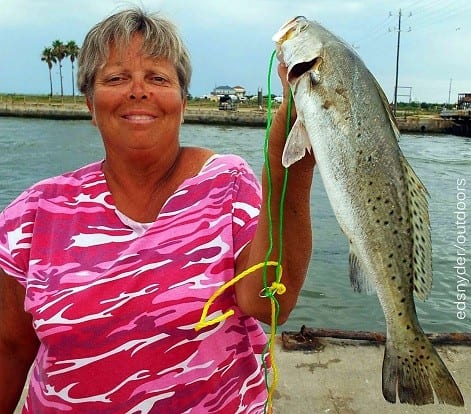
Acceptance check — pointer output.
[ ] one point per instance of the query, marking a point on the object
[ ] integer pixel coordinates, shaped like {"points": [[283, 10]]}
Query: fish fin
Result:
{"points": [[296, 144], [358, 277], [387, 107], [420, 227], [415, 372]]}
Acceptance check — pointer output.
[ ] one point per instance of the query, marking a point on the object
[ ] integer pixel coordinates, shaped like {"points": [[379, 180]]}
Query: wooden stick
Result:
{"points": [[306, 338]]}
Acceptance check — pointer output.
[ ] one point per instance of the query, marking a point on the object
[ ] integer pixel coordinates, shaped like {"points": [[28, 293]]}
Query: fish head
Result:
{"points": [[326, 76], [290, 41]]}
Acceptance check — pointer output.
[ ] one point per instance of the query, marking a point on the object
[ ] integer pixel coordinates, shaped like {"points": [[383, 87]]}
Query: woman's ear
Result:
{"points": [[91, 109]]}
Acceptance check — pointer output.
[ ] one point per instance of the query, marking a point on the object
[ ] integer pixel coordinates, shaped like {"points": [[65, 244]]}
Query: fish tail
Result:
{"points": [[415, 373]]}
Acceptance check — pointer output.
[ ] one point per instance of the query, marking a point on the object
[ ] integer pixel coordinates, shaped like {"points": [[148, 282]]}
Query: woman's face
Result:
{"points": [[137, 102]]}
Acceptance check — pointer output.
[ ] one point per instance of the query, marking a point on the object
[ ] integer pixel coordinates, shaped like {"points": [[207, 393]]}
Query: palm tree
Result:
{"points": [[59, 50], [48, 57], [72, 51]]}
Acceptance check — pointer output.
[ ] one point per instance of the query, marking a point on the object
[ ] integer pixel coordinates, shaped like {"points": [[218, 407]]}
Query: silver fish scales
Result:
{"points": [[380, 204]]}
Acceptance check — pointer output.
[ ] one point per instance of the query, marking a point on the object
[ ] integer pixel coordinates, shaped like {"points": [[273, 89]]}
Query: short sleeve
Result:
{"points": [[246, 207], [16, 229]]}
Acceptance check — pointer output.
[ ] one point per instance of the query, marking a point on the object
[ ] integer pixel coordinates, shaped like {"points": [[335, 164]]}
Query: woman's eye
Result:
{"points": [[159, 80], [115, 79]]}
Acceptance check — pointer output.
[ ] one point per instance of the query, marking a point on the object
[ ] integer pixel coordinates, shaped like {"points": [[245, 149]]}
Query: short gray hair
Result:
{"points": [[161, 40]]}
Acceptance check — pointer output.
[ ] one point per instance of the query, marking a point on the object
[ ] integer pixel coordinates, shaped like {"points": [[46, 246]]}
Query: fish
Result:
{"points": [[381, 205]]}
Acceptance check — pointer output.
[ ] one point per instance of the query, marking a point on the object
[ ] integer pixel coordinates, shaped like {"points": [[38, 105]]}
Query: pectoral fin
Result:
{"points": [[296, 144], [358, 277]]}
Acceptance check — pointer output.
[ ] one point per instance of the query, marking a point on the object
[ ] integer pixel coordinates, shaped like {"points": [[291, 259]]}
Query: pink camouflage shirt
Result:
{"points": [[115, 302]]}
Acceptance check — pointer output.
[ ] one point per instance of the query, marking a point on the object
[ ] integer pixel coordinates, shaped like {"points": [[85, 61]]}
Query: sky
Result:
{"points": [[230, 42]]}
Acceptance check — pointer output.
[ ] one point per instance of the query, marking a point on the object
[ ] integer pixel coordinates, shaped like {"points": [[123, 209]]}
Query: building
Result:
{"points": [[223, 90], [239, 91], [464, 100], [232, 91]]}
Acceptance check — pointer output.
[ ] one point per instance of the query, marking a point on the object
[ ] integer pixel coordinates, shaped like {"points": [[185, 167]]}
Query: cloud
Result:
{"points": [[230, 42]]}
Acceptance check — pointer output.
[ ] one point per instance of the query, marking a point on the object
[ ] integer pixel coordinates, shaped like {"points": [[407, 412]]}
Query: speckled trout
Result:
{"points": [[380, 204]]}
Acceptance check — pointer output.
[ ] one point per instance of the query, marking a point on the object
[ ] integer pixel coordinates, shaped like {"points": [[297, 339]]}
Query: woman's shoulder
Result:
{"points": [[63, 185], [82, 173], [227, 161]]}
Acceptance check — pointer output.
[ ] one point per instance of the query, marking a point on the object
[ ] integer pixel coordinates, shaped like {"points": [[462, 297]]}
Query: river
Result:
{"points": [[33, 149]]}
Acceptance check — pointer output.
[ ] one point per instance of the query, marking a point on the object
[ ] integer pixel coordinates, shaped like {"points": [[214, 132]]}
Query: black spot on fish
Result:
{"points": [[386, 223], [403, 300], [408, 327], [369, 158]]}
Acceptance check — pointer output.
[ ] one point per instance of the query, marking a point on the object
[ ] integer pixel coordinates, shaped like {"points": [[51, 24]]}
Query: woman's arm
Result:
{"points": [[297, 233], [18, 342]]}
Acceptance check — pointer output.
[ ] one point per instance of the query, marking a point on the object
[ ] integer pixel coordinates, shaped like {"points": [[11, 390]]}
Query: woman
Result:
{"points": [[105, 270]]}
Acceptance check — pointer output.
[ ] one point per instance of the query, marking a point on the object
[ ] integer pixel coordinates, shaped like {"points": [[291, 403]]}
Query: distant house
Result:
{"points": [[223, 90], [239, 91], [464, 100]]}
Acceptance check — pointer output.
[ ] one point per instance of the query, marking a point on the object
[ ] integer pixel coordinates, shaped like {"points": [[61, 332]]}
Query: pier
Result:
{"points": [[460, 121]]}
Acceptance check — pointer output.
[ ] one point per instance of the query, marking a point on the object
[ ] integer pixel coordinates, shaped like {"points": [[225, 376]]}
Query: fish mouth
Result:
{"points": [[299, 69], [287, 30]]}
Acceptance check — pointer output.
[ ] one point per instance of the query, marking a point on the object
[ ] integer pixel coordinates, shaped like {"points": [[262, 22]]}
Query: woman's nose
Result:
{"points": [[138, 90]]}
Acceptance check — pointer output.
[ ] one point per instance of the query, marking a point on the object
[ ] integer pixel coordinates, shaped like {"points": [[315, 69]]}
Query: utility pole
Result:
{"points": [[397, 59], [449, 92]]}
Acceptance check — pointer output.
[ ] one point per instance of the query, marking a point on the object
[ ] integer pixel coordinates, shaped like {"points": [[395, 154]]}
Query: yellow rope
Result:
{"points": [[275, 288]]}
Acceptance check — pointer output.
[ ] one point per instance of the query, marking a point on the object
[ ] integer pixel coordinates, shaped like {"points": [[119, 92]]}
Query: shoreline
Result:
{"points": [[252, 117]]}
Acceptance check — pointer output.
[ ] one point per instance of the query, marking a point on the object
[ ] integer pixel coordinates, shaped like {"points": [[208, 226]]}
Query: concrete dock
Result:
{"points": [[345, 378], [243, 116]]}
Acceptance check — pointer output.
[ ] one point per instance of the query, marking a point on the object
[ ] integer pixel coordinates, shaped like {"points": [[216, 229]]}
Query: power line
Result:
{"points": [[397, 58]]}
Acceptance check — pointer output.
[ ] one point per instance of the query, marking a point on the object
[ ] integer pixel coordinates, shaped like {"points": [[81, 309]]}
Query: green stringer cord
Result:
{"points": [[266, 290]]}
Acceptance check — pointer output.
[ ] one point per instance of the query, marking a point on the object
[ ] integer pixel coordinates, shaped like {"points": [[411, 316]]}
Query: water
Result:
{"points": [[34, 149]]}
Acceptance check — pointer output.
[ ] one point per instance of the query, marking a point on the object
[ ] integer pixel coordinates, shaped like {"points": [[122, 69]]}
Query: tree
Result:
{"points": [[59, 50], [72, 51], [49, 57]]}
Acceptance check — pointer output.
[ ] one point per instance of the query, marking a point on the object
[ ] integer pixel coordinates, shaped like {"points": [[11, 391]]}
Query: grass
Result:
{"points": [[413, 109]]}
